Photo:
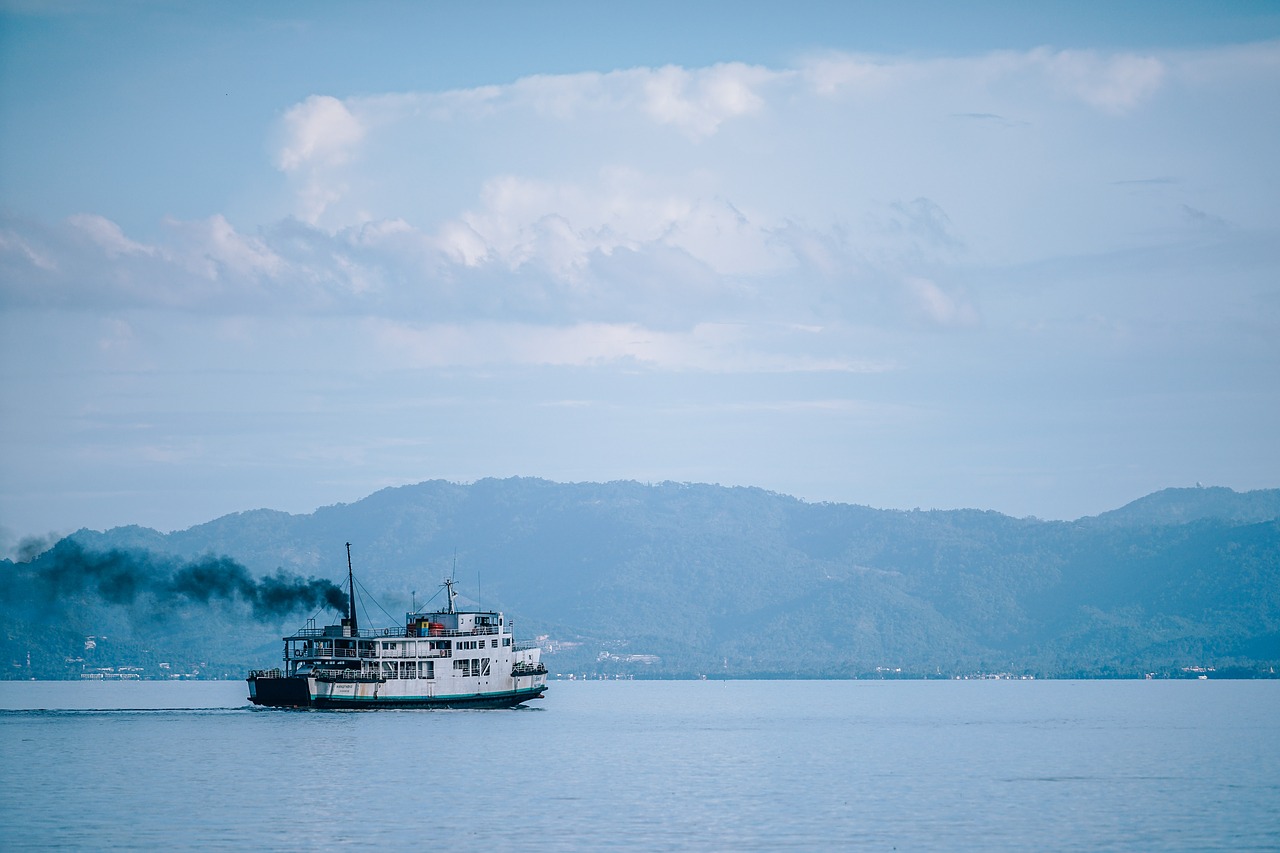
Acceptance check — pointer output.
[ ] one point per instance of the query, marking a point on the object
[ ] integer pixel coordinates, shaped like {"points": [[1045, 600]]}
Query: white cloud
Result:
{"points": [[558, 228], [108, 236], [836, 74], [560, 97], [15, 247], [320, 135], [673, 198], [568, 166], [1115, 84], [698, 102], [462, 244], [695, 102], [319, 132], [708, 347], [939, 307], [199, 265], [117, 335], [215, 250]]}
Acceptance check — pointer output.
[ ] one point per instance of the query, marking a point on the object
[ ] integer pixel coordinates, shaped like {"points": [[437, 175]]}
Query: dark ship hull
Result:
{"points": [[296, 692]]}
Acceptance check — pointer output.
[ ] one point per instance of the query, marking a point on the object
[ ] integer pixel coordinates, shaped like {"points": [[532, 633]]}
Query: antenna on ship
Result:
{"points": [[351, 602]]}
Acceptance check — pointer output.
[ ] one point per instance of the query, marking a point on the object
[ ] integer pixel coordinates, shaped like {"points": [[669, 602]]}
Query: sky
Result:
{"points": [[1019, 257]]}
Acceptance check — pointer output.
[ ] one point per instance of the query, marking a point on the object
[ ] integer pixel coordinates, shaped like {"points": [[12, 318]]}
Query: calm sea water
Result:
{"points": [[735, 766]]}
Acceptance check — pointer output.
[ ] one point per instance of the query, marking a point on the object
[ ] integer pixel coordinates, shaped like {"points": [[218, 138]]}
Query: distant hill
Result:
{"points": [[680, 580], [1179, 506]]}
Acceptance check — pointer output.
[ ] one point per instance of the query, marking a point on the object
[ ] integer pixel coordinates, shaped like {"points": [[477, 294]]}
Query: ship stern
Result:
{"points": [[278, 691]]}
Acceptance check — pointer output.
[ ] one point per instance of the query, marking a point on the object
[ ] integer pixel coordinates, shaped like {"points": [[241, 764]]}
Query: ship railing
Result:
{"points": [[482, 630], [524, 647], [408, 655], [321, 651], [331, 653], [266, 673], [365, 654], [379, 633], [364, 633]]}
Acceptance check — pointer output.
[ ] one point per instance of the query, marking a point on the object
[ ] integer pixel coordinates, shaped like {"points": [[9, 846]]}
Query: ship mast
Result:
{"points": [[351, 599], [448, 585]]}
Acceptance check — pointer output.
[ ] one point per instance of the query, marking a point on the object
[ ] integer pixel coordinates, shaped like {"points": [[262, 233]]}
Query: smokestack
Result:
{"points": [[351, 596]]}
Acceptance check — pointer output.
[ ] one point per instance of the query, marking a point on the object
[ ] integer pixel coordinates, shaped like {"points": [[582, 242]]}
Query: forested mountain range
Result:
{"points": [[682, 580]]}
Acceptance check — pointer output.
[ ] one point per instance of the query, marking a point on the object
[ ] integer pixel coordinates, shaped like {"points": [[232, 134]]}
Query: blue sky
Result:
{"points": [[901, 255]]}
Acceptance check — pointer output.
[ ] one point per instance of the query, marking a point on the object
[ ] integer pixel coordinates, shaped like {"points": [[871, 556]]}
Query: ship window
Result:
{"points": [[506, 641], [427, 669], [484, 666]]}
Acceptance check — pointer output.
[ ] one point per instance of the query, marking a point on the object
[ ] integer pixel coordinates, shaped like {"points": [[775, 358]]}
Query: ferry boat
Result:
{"points": [[442, 659]]}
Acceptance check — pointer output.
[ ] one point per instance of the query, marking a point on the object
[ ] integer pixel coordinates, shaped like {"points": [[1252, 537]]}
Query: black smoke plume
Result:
{"points": [[122, 577]]}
